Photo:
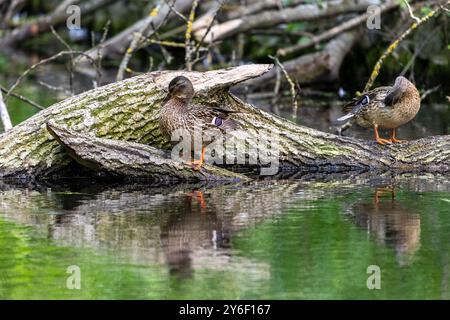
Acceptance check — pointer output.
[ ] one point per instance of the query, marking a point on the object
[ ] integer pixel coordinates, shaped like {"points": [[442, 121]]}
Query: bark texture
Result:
{"points": [[129, 110], [133, 160]]}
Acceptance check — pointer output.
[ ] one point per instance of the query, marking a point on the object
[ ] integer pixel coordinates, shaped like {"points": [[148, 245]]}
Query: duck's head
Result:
{"points": [[181, 87]]}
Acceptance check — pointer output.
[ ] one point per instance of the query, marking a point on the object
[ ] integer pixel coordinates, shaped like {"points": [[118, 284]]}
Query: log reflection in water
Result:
{"points": [[178, 226], [172, 225]]}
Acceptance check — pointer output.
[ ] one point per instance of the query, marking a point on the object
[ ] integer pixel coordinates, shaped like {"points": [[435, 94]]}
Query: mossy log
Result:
{"points": [[131, 160], [129, 110]]}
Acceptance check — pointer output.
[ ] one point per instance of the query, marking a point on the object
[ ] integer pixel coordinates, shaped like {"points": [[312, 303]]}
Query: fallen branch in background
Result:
{"points": [[117, 45], [322, 65], [4, 115], [269, 18], [43, 23], [333, 32]]}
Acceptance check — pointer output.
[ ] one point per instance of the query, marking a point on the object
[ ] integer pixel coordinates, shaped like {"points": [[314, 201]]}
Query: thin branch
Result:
{"points": [[24, 99], [188, 36], [34, 66], [99, 59], [208, 29], [138, 39], [411, 13], [4, 115], [429, 91], [292, 84], [66, 92], [178, 13], [65, 44]]}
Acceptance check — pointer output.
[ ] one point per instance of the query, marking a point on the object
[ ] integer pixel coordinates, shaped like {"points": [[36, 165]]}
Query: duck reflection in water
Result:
{"points": [[391, 223], [193, 227]]}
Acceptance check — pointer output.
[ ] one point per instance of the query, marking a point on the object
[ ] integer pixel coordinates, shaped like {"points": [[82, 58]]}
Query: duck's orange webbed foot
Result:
{"points": [[197, 164], [377, 137], [383, 141], [393, 139]]}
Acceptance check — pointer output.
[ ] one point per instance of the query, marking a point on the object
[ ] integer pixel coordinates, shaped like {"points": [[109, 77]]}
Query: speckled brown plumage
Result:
{"points": [[385, 107], [178, 112]]}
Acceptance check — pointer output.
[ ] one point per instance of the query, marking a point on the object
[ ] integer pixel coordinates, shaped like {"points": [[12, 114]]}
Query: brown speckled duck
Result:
{"points": [[385, 107], [178, 112]]}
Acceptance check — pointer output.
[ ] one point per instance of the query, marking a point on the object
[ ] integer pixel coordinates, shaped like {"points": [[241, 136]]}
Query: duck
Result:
{"points": [[179, 112], [386, 107]]}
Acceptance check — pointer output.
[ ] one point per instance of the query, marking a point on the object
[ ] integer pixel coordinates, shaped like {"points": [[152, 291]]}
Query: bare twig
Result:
{"points": [[178, 13], [292, 84], [99, 59], [429, 91], [411, 13], [139, 38], [66, 92], [65, 44], [208, 29], [34, 66], [24, 99], [4, 115], [188, 36]]}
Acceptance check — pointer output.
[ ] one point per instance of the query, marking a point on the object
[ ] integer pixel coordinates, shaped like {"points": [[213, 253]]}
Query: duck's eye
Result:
{"points": [[365, 100]]}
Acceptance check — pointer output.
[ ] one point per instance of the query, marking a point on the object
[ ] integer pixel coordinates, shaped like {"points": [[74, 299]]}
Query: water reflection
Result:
{"points": [[189, 228], [390, 222]]}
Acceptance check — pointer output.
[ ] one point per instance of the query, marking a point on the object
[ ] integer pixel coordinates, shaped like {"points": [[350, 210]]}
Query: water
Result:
{"points": [[299, 238]]}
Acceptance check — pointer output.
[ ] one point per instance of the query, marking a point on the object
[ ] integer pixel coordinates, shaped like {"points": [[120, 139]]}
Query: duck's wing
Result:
{"points": [[378, 94], [363, 102], [214, 116]]}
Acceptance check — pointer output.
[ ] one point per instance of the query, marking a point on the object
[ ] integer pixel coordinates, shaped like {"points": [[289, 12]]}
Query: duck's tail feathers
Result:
{"points": [[347, 116]]}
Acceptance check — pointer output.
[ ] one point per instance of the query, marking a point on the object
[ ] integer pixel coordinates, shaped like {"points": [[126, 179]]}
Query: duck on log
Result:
{"points": [[114, 119]]}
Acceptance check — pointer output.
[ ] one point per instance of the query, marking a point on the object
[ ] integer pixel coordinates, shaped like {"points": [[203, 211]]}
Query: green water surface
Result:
{"points": [[289, 239]]}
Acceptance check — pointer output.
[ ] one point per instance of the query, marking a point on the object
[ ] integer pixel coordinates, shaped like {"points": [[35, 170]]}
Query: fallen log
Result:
{"points": [[323, 65], [336, 30], [133, 160], [117, 45], [268, 18], [44, 23], [129, 110]]}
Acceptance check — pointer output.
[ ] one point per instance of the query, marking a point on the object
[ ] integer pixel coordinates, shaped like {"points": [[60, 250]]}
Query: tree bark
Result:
{"points": [[129, 110], [133, 160]]}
